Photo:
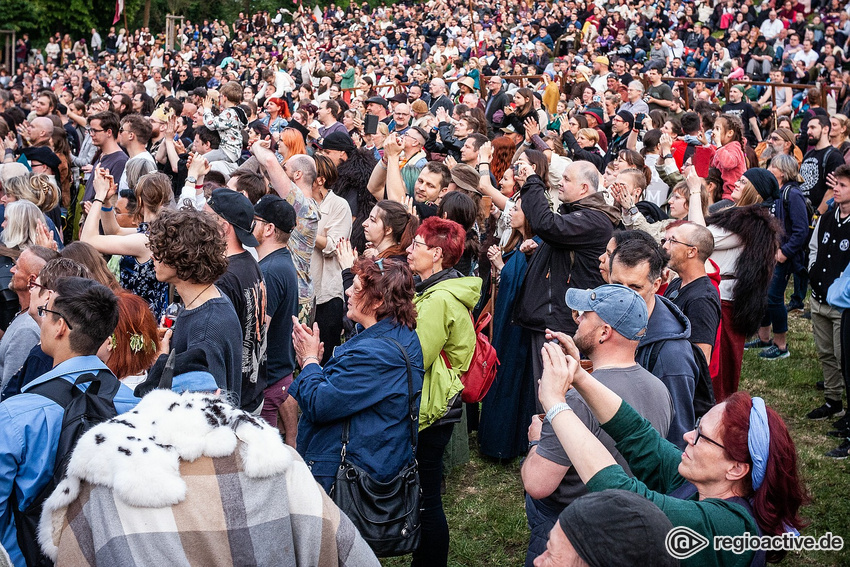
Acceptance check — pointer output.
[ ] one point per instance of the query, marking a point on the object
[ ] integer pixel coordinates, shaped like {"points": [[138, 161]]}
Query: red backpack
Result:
{"points": [[482, 368]]}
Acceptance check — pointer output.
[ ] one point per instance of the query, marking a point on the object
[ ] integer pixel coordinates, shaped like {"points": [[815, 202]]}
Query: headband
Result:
{"points": [[758, 441]]}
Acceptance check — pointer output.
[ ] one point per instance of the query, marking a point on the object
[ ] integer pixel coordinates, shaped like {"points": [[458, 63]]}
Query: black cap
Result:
{"points": [[273, 209], [377, 100], [339, 141], [236, 209], [400, 97], [628, 117], [200, 91]]}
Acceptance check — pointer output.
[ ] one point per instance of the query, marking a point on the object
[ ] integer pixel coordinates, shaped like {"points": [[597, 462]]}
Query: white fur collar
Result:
{"points": [[137, 454]]}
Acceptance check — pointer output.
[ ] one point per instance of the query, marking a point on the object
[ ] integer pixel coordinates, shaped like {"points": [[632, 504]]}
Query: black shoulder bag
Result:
{"points": [[386, 514]]}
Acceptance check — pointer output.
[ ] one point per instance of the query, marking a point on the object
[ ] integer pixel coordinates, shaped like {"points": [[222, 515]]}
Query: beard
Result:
{"points": [[813, 141], [585, 343]]}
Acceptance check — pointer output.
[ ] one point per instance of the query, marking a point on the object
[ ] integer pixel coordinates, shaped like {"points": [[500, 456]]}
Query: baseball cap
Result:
{"points": [[340, 141], [400, 97], [602, 60], [620, 307], [509, 129], [277, 211], [236, 209]]}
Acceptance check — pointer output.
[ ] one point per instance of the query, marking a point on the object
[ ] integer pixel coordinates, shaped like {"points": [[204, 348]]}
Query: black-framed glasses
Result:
{"points": [[416, 243], [699, 435], [42, 310], [672, 240]]}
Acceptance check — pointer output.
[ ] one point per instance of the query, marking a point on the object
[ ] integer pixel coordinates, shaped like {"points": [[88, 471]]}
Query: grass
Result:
{"points": [[485, 506]]}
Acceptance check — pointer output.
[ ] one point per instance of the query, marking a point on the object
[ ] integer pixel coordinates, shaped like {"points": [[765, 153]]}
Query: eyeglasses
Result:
{"points": [[672, 240], [97, 130], [699, 436], [417, 243], [33, 284], [42, 310]]}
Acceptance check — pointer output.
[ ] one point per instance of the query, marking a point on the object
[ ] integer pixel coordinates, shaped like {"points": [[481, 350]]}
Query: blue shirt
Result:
{"points": [[281, 304], [30, 425]]}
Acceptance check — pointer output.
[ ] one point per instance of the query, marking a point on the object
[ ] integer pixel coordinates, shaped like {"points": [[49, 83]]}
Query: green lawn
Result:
{"points": [[484, 502]]}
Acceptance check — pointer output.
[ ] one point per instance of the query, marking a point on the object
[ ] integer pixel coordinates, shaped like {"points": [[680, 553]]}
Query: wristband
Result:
{"points": [[668, 156], [533, 444], [487, 163], [106, 209], [556, 409], [201, 186], [8, 151], [95, 200]]}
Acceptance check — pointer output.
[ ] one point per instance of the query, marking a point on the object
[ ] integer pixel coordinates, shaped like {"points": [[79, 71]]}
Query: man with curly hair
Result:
{"points": [[188, 249]]}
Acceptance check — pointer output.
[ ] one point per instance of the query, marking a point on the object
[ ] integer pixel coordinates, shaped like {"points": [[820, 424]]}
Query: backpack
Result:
{"points": [[703, 390], [482, 369], [83, 410]]}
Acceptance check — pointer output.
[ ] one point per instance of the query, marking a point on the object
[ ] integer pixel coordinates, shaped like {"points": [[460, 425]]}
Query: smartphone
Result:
{"points": [[371, 124], [597, 98]]}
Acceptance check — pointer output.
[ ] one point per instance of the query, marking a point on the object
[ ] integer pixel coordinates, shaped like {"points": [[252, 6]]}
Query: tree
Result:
{"points": [[66, 16], [20, 16]]}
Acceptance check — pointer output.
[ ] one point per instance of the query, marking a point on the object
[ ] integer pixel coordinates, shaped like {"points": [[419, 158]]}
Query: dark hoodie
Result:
{"points": [[573, 239], [674, 365]]}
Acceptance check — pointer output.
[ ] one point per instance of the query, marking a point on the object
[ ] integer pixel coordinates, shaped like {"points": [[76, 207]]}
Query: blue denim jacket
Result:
{"points": [[30, 425]]}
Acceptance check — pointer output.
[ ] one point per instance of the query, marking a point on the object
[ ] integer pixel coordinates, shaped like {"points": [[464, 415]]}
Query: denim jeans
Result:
{"points": [[776, 315], [541, 519], [434, 546], [801, 286]]}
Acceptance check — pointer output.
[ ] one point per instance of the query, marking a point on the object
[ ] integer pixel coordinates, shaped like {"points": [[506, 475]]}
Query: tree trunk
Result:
{"points": [[147, 16]]}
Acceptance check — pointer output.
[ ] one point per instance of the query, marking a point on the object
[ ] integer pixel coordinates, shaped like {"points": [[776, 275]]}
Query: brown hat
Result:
{"points": [[419, 106], [466, 177]]}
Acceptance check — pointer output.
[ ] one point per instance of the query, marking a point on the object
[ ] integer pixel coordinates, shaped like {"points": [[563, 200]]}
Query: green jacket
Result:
{"points": [[443, 323], [347, 79], [655, 463]]}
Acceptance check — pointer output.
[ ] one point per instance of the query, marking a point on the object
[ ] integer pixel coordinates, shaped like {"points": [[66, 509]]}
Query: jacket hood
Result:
{"points": [[467, 290], [667, 322], [597, 202]]}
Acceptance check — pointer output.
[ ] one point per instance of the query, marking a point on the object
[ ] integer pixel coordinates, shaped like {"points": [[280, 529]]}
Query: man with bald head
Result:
{"points": [[573, 238], [401, 118], [439, 97], [689, 246], [39, 131]]}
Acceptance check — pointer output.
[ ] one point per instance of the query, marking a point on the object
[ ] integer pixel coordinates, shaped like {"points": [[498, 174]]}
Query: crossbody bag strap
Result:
{"points": [[413, 411]]}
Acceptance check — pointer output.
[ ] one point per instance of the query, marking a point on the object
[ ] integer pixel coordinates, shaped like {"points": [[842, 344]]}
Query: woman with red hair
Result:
{"points": [[738, 473], [365, 382], [132, 348], [291, 143], [443, 302], [277, 113]]}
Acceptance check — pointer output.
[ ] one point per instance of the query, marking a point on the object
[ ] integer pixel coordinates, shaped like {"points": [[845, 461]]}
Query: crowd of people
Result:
{"points": [[300, 216]]}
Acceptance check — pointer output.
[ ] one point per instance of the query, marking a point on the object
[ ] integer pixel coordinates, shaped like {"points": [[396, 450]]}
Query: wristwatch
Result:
{"points": [[668, 156], [633, 211], [191, 179]]}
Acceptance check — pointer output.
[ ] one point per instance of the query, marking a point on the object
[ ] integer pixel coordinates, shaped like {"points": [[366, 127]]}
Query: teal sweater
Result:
{"points": [[655, 461]]}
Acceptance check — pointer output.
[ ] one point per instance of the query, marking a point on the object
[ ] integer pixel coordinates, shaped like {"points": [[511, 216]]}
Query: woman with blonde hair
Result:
{"points": [[584, 147], [24, 226], [39, 190], [153, 194], [839, 134]]}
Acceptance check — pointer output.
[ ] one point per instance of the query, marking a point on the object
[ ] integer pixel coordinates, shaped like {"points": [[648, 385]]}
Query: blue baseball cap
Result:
{"points": [[617, 305]]}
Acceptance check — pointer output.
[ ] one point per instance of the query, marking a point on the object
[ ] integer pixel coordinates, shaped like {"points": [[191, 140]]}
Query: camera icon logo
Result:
{"points": [[683, 542]]}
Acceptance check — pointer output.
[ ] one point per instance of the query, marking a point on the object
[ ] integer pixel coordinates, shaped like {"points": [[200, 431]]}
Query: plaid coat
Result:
{"points": [[189, 480]]}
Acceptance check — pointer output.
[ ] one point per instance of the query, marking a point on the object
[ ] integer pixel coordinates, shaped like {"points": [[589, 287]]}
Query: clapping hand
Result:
{"points": [[308, 347], [532, 128], [494, 254], [104, 185], [345, 254], [393, 146], [450, 162], [559, 370], [485, 153]]}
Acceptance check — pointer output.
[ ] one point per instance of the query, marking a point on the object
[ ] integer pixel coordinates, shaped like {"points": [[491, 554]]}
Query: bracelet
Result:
{"points": [[487, 163], [556, 409], [303, 362], [533, 444], [201, 186], [106, 209], [693, 193], [95, 200], [382, 165]]}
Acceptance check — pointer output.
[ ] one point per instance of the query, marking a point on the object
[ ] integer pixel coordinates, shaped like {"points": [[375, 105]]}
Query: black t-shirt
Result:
{"points": [[816, 166], [700, 302], [744, 111], [243, 284], [282, 293]]}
